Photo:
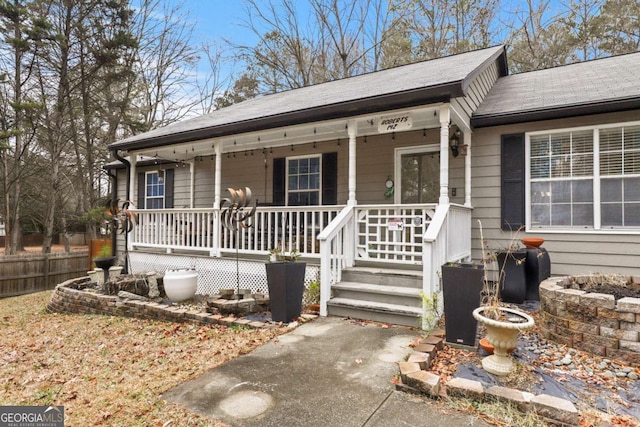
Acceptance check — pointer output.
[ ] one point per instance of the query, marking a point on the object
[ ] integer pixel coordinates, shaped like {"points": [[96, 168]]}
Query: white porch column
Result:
{"points": [[444, 154], [218, 177], [467, 169], [192, 182], [215, 251], [352, 129]]}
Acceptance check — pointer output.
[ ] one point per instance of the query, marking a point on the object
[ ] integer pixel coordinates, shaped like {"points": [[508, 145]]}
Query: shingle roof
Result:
{"points": [[408, 85], [608, 84]]}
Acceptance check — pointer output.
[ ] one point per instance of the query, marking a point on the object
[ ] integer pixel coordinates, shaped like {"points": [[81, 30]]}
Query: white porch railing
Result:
{"points": [[392, 233], [447, 239], [285, 228], [199, 229]]}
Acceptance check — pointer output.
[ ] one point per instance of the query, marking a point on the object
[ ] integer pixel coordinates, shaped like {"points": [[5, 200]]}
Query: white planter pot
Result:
{"points": [[180, 285], [502, 336]]}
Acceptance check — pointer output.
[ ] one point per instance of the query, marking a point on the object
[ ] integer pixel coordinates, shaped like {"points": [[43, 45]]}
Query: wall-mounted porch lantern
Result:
{"points": [[454, 143]]}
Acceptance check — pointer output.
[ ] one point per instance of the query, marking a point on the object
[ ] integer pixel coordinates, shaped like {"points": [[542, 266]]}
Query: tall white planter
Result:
{"points": [[180, 285]]}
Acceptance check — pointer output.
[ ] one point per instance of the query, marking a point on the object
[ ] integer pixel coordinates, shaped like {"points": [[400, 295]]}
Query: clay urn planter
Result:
{"points": [[181, 284], [502, 335]]}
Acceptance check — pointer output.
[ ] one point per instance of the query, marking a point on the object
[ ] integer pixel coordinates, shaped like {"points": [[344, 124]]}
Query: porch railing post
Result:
{"points": [[445, 117], [467, 169], [352, 128]]}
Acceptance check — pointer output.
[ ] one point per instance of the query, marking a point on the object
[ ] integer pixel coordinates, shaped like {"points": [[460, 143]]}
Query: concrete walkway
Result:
{"points": [[328, 372]]}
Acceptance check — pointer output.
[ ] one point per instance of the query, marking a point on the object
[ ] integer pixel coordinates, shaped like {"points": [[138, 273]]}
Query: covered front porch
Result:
{"points": [[393, 234], [368, 178]]}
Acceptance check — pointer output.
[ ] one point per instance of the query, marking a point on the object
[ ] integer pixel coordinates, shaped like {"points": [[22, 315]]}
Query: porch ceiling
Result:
{"points": [[308, 133]]}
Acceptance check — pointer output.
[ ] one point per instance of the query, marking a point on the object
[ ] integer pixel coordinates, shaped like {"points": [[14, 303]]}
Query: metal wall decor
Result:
{"points": [[237, 213]]}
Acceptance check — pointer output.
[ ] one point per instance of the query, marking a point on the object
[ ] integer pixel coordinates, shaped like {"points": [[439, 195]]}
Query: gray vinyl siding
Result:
{"points": [[476, 91], [571, 253]]}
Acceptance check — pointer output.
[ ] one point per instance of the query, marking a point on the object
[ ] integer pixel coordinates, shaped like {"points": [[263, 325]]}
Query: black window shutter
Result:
{"points": [[330, 178], [141, 190], [168, 188], [279, 174], [512, 182]]}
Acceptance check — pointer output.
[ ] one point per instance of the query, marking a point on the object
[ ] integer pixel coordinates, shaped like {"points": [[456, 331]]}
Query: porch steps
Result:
{"points": [[380, 294]]}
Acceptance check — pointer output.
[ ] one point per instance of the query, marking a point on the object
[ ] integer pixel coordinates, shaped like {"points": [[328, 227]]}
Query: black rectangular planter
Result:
{"points": [[286, 287], [461, 289]]}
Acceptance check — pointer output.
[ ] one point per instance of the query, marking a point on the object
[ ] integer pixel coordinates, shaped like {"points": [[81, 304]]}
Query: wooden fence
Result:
{"points": [[24, 274]]}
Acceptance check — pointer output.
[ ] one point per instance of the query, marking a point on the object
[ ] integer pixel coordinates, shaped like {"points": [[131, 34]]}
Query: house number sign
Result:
{"points": [[395, 123]]}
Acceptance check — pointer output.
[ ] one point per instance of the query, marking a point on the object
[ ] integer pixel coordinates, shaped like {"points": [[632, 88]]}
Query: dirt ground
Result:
{"points": [[54, 248]]}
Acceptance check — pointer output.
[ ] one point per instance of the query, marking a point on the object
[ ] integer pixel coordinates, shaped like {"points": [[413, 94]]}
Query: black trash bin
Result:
{"points": [[461, 289], [286, 287]]}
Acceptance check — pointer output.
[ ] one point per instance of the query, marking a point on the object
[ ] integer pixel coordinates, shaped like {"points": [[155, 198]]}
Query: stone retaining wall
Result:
{"points": [[66, 299], [590, 321]]}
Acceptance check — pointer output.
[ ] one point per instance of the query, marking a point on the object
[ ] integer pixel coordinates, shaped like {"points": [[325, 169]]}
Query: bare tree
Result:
{"points": [[538, 39], [213, 85]]}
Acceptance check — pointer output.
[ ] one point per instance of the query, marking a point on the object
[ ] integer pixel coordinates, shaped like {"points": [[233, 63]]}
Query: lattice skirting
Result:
{"points": [[214, 273]]}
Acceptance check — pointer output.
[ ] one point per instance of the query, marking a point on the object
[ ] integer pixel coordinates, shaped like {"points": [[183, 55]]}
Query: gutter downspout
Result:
{"points": [[126, 235]]}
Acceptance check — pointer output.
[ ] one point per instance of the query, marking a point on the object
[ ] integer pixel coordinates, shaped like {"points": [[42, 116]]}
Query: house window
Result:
{"points": [[303, 181], [154, 190], [586, 178]]}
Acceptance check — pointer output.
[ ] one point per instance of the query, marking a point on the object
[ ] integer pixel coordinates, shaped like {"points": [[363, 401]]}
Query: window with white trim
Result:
{"points": [[154, 190], [584, 178], [304, 181]]}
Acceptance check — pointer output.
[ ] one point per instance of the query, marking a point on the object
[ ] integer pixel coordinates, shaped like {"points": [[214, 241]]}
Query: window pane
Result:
{"points": [[632, 190], [632, 138], [293, 167], [314, 165], [583, 214], [632, 162], [582, 191], [293, 182], [610, 139], [540, 192], [582, 165], [611, 163], [560, 143], [540, 167], [540, 215], [539, 146], [293, 199], [304, 166], [612, 214], [314, 198], [560, 166], [582, 142], [561, 214], [611, 190], [632, 214], [561, 192], [304, 182], [314, 182]]}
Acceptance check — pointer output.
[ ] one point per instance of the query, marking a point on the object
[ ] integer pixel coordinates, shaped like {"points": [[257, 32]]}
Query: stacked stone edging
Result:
{"points": [[414, 377], [65, 299], [590, 321]]}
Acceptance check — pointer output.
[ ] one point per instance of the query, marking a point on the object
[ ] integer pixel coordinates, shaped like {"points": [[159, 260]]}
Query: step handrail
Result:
{"points": [[336, 252]]}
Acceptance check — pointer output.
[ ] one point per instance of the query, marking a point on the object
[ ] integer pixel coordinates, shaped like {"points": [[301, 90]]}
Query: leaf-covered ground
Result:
{"points": [[108, 370]]}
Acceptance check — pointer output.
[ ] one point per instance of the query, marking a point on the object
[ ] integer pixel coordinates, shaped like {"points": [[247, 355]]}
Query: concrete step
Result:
{"points": [[383, 276], [376, 311], [398, 295]]}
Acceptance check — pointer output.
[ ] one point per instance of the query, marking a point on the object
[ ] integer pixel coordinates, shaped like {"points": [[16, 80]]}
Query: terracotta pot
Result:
{"points": [[486, 346], [503, 335], [532, 242]]}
